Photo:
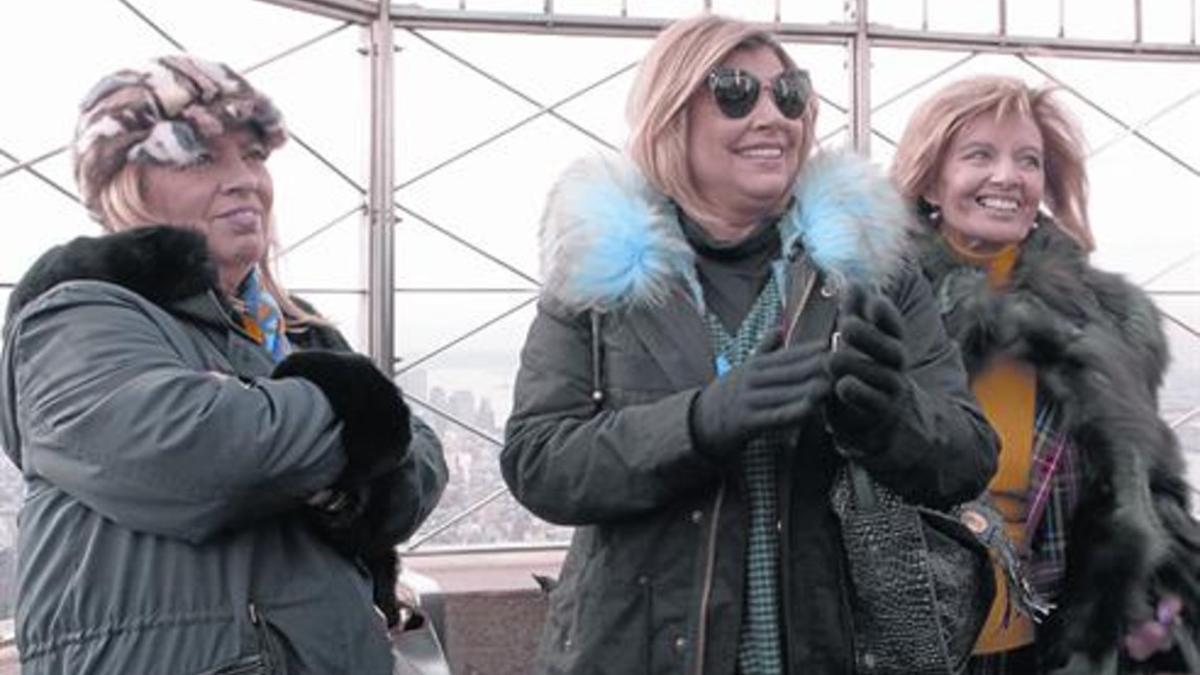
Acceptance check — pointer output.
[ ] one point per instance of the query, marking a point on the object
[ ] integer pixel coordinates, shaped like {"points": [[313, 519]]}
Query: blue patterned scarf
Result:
{"points": [[261, 317]]}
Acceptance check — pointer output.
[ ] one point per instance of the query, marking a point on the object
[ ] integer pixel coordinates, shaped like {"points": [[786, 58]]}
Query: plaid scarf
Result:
{"points": [[760, 645], [261, 317], [1054, 491]]}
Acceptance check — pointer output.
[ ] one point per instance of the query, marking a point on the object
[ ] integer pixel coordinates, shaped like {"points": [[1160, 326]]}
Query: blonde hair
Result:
{"points": [[672, 72], [123, 207], [931, 129]]}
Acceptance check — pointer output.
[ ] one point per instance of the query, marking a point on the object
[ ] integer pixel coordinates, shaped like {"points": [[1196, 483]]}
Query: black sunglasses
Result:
{"points": [[736, 91]]}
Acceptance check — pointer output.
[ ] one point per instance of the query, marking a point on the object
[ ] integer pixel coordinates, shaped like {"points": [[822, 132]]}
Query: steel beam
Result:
{"points": [[886, 36], [381, 215], [356, 11], [879, 36], [860, 81]]}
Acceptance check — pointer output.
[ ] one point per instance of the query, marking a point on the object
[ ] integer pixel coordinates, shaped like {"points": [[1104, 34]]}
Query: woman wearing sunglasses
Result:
{"points": [[1066, 361], [676, 399]]}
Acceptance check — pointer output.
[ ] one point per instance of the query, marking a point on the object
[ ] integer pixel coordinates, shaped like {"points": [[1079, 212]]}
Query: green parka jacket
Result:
{"points": [[599, 435], [165, 474]]}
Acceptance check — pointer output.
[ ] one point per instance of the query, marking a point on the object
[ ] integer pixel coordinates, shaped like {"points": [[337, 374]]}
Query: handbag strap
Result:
{"points": [[862, 487]]}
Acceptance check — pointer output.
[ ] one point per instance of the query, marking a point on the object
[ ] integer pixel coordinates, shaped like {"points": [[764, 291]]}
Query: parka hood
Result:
{"points": [[610, 240]]}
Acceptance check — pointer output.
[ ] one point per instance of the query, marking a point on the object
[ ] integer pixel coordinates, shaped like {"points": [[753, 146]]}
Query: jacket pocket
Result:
{"points": [[250, 665]]}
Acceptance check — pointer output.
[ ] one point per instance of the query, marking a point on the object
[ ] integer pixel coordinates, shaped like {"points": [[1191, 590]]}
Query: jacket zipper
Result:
{"points": [[710, 563], [264, 640]]}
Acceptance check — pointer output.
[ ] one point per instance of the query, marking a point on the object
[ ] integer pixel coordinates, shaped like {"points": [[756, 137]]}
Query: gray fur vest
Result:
{"points": [[1100, 352]]}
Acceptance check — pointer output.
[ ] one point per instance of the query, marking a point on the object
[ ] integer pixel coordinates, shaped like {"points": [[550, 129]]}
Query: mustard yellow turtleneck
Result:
{"points": [[1007, 393]]}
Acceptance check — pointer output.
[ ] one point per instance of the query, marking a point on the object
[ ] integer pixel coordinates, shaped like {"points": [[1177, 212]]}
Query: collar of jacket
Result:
{"points": [[168, 266], [1053, 283], [609, 240]]}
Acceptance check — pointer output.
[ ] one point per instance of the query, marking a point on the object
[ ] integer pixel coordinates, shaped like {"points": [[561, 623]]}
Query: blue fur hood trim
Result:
{"points": [[609, 240]]}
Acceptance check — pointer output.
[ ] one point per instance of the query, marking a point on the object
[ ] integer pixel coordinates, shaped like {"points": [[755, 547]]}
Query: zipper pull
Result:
{"points": [[253, 614]]}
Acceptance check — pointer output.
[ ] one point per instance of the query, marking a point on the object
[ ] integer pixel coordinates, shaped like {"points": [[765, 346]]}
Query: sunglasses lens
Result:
{"points": [[791, 91], [735, 92]]}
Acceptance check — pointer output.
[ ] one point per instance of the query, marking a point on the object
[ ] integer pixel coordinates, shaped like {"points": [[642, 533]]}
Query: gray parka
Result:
{"points": [[599, 435], [161, 530]]}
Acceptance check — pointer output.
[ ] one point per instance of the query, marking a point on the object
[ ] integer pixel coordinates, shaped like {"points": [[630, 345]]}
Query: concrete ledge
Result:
{"points": [[492, 607]]}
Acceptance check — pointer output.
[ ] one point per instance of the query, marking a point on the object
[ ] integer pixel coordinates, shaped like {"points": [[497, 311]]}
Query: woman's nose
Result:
{"points": [[765, 112], [1005, 172], [238, 175]]}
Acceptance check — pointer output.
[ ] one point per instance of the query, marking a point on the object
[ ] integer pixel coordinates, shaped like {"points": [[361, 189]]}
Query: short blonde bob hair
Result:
{"points": [[123, 207], [932, 127], [674, 70]]}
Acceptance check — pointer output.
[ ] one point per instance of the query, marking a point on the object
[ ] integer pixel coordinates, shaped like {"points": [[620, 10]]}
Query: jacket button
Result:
{"points": [[697, 516], [680, 643], [643, 580]]}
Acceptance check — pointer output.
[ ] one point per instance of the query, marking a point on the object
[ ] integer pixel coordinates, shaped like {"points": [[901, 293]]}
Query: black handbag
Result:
{"points": [[923, 578]]}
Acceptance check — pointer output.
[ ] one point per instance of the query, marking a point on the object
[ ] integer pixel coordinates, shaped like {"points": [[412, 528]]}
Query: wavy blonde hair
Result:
{"points": [[671, 74], [932, 127], [123, 207]]}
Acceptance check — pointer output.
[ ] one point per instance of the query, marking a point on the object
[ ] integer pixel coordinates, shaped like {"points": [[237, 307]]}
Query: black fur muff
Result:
{"points": [[375, 424], [375, 435]]}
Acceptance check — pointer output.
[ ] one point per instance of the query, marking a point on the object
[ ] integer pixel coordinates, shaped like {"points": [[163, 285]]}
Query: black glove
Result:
{"points": [[773, 389], [375, 431], [868, 367]]}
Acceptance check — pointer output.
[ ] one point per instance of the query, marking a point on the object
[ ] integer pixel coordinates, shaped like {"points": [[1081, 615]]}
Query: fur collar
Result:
{"points": [[609, 240], [162, 264], [1052, 282]]}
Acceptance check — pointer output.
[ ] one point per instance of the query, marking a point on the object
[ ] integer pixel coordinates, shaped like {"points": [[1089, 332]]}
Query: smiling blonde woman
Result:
{"points": [[676, 399], [1067, 361]]}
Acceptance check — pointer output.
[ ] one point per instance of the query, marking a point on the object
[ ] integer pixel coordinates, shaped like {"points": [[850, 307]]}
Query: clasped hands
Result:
{"points": [[861, 381]]}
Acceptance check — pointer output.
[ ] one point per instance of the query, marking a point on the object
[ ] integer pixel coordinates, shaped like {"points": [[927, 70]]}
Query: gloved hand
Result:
{"points": [[773, 389], [375, 424], [868, 367]]}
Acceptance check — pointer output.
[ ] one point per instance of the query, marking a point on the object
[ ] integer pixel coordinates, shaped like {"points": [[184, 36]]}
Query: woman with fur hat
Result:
{"points": [[1066, 361], [213, 479], [696, 466]]}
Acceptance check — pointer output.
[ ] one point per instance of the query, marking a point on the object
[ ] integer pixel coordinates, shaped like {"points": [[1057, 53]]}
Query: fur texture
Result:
{"points": [[609, 240], [161, 264], [1100, 352], [375, 424], [849, 219], [375, 436]]}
